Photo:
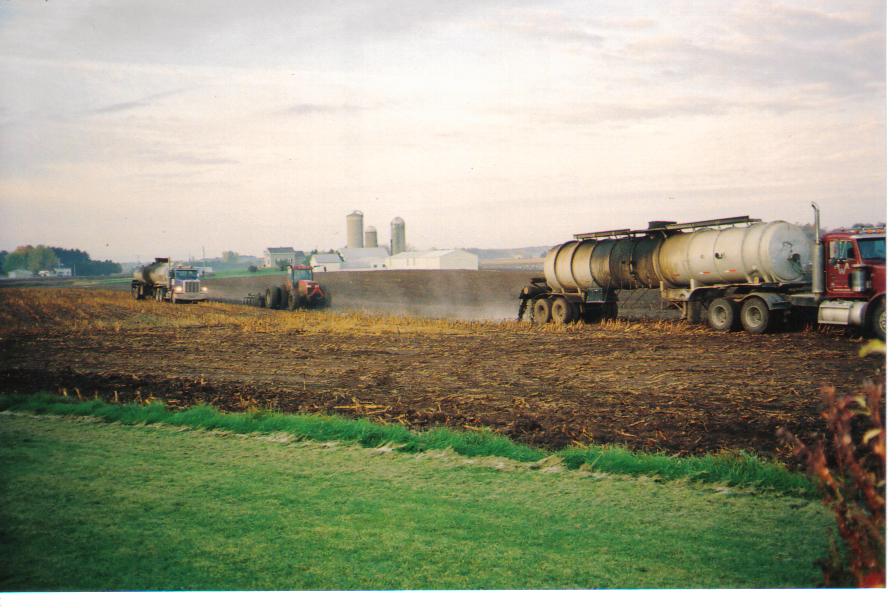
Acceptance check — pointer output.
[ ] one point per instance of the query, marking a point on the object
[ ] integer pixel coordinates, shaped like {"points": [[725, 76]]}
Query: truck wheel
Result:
{"points": [[135, 291], [722, 315], [563, 311], [879, 320], [542, 311], [755, 315]]}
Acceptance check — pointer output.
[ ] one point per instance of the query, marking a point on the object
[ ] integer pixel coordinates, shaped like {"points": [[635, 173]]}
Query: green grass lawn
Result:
{"points": [[89, 505]]}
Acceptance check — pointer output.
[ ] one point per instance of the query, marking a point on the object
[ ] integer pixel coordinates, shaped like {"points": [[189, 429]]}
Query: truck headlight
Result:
{"points": [[178, 289], [205, 289]]}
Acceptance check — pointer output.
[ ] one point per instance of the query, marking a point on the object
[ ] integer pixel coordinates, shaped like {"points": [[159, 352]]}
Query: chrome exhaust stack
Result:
{"points": [[817, 258]]}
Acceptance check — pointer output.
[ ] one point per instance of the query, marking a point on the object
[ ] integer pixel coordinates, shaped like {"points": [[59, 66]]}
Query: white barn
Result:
{"points": [[326, 262], [364, 258], [437, 259]]}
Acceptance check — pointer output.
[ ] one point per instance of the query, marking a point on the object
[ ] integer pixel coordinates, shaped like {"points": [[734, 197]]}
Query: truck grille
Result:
{"points": [[191, 286]]}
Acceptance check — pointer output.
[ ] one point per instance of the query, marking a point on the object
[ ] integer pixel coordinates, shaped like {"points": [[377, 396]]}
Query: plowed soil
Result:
{"points": [[654, 385]]}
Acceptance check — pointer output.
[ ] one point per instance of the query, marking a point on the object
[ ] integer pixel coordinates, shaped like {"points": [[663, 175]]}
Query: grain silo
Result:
{"points": [[354, 223], [370, 237], [398, 245]]}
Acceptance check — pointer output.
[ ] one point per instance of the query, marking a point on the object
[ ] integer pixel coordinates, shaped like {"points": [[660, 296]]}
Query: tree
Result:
{"points": [[81, 264], [3, 255], [31, 258], [230, 257]]}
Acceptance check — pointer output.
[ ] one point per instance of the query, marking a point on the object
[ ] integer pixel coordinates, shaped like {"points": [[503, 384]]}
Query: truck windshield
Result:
{"points": [[873, 249], [302, 275], [186, 274]]}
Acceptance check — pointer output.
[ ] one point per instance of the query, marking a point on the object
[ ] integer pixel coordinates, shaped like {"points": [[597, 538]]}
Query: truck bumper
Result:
{"points": [[189, 297]]}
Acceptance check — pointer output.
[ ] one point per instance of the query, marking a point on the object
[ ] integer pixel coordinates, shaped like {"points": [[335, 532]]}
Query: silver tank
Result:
{"points": [[154, 273], [775, 252]]}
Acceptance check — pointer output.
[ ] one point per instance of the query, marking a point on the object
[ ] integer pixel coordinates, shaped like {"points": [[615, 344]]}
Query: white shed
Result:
{"points": [[326, 262], [20, 273], [436, 259]]}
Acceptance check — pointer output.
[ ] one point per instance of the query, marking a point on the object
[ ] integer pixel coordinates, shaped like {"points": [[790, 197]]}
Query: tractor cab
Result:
{"points": [[300, 273]]}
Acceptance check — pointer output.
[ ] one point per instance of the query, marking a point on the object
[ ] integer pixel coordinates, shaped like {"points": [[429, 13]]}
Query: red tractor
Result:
{"points": [[299, 290]]}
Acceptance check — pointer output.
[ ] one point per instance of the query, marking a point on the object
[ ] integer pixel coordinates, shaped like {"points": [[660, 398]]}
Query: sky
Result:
{"points": [[135, 129]]}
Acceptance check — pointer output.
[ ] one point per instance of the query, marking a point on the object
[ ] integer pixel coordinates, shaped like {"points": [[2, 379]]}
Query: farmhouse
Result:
{"points": [[274, 256], [437, 259]]}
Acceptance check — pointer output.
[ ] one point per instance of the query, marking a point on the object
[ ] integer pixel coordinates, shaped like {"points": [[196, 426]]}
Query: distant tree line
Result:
{"points": [[39, 258]]}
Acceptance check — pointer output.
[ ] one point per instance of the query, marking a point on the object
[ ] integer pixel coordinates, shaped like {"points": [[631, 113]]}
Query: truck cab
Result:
{"points": [[855, 264], [185, 286]]}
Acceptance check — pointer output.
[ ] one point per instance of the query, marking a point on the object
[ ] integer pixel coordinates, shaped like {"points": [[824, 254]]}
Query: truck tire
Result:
{"points": [[542, 311], [136, 292], [723, 315], [755, 315], [879, 319], [564, 311]]}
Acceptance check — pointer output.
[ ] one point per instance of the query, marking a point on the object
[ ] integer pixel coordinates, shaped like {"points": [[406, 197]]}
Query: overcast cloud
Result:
{"points": [[135, 129]]}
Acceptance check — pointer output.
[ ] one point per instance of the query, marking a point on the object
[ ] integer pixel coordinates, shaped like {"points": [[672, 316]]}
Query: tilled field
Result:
{"points": [[649, 385]]}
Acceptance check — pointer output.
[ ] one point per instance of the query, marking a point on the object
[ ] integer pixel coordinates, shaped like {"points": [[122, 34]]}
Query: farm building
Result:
{"points": [[364, 258], [326, 262], [62, 272], [274, 256], [20, 273], [437, 259]]}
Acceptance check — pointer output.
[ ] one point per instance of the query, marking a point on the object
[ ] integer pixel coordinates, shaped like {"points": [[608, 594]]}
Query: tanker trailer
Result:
{"points": [[165, 281], [731, 272]]}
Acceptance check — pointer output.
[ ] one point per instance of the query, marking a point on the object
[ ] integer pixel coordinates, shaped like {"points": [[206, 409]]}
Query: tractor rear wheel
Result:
{"points": [[755, 315], [542, 311], [723, 315], [292, 300], [269, 301]]}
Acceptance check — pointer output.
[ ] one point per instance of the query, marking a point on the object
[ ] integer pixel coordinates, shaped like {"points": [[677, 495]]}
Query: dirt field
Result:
{"points": [[648, 385]]}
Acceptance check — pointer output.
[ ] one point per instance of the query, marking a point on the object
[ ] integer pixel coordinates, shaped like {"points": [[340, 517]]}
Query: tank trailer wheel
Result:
{"points": [[755, 315], [723, 315], [564, 311], [542, 311], [879, 320], [135, 291]]}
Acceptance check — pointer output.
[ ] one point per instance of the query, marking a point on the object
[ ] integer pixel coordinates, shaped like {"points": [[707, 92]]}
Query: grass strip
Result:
{"points": [[736, 469]]}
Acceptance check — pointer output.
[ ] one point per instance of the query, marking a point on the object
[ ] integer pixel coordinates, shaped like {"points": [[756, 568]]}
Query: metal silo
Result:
{"points": [[398, 245], [370, 239], [354, 223]]}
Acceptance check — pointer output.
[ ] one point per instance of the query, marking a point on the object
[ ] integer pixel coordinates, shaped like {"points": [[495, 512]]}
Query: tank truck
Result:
{"points": [[166, 281], [733, 273]]}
